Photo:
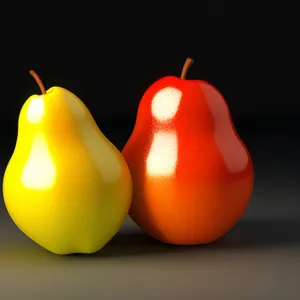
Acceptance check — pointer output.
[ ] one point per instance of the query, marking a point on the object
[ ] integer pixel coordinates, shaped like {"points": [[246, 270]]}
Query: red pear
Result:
{"points": [[192, 174]]}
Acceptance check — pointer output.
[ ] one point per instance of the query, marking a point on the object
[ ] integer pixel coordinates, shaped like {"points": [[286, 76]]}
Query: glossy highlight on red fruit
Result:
{"points": [[192, 175]]}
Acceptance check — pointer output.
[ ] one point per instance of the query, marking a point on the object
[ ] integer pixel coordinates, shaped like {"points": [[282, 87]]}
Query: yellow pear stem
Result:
{"points": [[186, 66], [38, 81]]}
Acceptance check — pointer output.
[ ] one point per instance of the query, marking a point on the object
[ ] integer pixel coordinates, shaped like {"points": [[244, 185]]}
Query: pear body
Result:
{"points": [[192, 174], [66, 186]]}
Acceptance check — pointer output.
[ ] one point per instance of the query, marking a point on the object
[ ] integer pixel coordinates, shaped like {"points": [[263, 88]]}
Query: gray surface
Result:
{"points": [[258, 259]]}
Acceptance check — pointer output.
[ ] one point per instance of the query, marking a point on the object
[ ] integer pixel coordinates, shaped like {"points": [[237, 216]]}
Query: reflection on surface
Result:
{"points": [[163, 154], [75, 105], [101, 153], [35, 111], [97, 147], [233, 153], [39, 172], [165, 103]]}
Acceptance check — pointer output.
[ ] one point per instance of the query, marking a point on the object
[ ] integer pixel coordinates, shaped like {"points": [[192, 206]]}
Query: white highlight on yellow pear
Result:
{"points": [[39, 172], [35, 111]]}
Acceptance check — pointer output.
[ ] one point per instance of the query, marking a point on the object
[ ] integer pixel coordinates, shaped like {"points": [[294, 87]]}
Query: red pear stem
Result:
{"points": [[38, 81], [186, 66]]}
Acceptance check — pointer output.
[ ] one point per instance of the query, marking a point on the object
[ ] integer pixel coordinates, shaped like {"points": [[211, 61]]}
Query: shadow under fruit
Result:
{"points": [[192, 174]]}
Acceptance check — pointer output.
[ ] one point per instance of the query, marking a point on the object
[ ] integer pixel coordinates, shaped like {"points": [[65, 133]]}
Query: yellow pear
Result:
{"points": [[66, 186]]}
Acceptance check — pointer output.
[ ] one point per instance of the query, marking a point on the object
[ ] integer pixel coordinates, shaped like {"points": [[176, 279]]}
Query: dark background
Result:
{"points": [[108, 60]]}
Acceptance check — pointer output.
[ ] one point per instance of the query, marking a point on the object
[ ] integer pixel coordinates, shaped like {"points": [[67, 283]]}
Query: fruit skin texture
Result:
{"points": [[192, 175], [66, 186]]}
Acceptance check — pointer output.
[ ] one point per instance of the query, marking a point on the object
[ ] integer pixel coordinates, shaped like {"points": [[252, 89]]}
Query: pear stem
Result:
{"points": [[186, 66], [38, 81]]}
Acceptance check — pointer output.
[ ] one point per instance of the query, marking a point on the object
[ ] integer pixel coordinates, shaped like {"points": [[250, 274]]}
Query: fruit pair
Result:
{"points": [[186, 177]]}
